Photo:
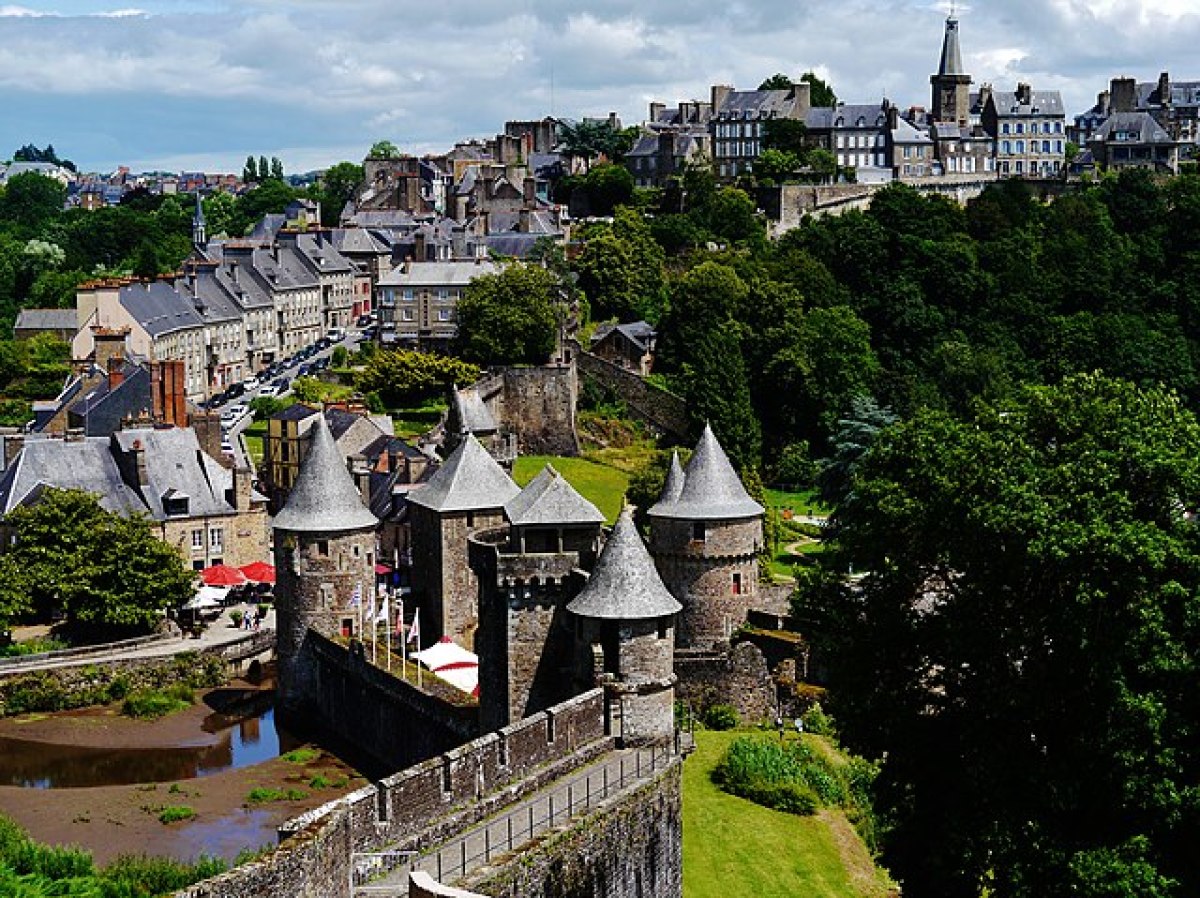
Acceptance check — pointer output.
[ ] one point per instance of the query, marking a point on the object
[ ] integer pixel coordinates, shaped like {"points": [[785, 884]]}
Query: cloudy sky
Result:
{"points": [[191, 84]]}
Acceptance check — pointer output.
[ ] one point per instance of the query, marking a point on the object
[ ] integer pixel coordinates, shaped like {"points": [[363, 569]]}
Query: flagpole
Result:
{"points": [[374, 628], [403, 640], [387, 638], [360, 614]]}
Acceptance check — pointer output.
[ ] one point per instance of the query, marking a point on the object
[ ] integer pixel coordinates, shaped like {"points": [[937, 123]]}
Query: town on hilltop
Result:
{"points": [[783, 494]]}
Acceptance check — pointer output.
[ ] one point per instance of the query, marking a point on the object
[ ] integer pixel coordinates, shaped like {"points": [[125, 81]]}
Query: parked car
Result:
{"points": [[335, 335], [270, 390], [363, 321], [233, 391], [304, 370]]}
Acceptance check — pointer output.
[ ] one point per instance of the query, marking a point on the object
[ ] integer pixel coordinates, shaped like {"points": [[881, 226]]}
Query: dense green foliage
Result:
{"points": [[32, 870], [153, 703], [510, 317], [405, 377], [110, 575], [1024, 646]]}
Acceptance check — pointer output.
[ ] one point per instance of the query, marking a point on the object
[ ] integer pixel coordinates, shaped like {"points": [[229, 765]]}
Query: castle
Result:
{"points": [[577, 634]]}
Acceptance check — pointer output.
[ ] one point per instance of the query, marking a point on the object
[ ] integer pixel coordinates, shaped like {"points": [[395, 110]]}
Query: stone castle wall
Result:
{"points": [[537, 404], [419, 807], [715, 579], [664, 411], [393, 721], [630, 848], [738, 678]]}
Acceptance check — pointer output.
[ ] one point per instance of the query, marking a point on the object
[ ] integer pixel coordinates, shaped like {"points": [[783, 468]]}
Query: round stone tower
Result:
{"points": [[705, 536], [324, 562], [626, 622]]}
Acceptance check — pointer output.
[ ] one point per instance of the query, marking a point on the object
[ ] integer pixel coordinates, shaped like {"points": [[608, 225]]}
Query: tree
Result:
{"points": [[403, 377], [383, 149], [336, 188], [108, 573], [276, 168], [622, 272], [1023, 646], [250, 171], [778, 81], [821, 92], [509, 318], [264, 168], [776, 165], [31, 200]]}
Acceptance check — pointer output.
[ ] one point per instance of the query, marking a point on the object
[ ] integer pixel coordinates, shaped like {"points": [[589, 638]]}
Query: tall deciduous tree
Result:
{"points": [[1025, 644], [509, 318], [108, 573]]}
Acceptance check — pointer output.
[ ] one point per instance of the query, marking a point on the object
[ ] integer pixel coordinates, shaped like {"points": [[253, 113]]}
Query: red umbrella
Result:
{"points": [[259, 572], [222, 575]]}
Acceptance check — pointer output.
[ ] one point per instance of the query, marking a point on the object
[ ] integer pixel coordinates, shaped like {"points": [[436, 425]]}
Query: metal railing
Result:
{"points": [[539, 813]]}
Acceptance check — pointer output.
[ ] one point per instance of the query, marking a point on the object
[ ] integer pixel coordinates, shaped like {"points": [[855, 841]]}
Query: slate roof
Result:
{"points": [[46, 319], [437, 274], [637, 332], [159, 308], [174, 462], [757, 102], [473, 414], [324, 498], [1141, 123], [711, 488], [86, 464], [1041, 102], [550, 499], [824, 118], [624, 584], [469, 480]]}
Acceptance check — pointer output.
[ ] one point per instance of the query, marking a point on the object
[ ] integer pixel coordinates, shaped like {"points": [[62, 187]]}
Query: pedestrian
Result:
{"points": [[799, 724], [779, 726]]}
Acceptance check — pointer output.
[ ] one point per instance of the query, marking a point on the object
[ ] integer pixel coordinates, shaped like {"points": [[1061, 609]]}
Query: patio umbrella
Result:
{"points": [[259, 572], [222, 575], [207, 597]]}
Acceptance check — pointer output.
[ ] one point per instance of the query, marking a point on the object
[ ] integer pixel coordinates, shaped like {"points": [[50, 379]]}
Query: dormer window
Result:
{"points": [[175, 504], [698, 531]]}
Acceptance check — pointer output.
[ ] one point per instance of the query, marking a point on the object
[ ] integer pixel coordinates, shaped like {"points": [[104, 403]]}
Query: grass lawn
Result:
{"points": [[732, 846], [253, 436], [801, 503], [601, 484]]}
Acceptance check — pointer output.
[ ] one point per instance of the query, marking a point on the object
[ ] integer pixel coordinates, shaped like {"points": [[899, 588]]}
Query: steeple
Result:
{"points": [[951, 100], [951, 54], [199, 229], [624, 585]]}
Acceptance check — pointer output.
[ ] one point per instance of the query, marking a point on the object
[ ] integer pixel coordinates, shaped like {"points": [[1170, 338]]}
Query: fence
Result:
{"points": [[387, 872]]}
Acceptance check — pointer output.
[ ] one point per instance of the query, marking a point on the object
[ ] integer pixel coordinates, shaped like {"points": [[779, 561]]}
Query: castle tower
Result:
{"points": [[626, 617], [705, 536], [467, 494], [199, 229], [324, 555], [951, 101], [527, 572]]}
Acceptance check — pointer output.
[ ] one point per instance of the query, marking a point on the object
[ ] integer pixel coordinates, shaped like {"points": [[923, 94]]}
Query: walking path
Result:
{"points": [[516, 826], [220, 632]]}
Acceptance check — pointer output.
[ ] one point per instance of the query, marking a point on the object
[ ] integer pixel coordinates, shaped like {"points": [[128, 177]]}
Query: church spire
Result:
{"points": [[951, 63], [199, 229]]}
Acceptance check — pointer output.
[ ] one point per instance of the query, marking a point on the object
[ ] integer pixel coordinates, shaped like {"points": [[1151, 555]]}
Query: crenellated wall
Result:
{"points": [[419, 807]]}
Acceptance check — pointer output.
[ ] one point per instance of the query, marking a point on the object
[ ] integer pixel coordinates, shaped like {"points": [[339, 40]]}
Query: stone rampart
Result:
{"points": [[630, 847], [662, 410], [419, 807], [738, 678], [393, 721]]}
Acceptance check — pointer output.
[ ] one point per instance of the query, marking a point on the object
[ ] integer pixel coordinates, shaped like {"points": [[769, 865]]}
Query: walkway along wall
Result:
{"points": [[658, 408], [420, 807], [393, 721]]}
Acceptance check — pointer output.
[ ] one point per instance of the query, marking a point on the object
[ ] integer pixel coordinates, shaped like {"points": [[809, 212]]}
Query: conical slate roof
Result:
{"points": [[951, 63], [711, 488], [470, 480], [550, 499], [624, 585], [672, 486], [324, 497]]}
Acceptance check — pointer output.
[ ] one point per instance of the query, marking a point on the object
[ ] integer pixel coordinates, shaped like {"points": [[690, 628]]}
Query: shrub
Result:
{"points": [[236, 617], [302, 755], [817, 721], [720, 717], [141, 877], [33, 647], [793, 778], [175, 813], [263, 795], [118, 687], [151, 703]]}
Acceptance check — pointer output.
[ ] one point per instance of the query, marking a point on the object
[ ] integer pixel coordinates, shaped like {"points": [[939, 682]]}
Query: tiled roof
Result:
{"points": [[46, 319], [469, 480], [624, 585], [550, 499], [436, 274], [1141, 123], [324, 498]]}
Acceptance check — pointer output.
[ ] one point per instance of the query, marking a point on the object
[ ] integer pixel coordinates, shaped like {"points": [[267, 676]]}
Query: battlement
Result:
{"points": [[491, 557]]}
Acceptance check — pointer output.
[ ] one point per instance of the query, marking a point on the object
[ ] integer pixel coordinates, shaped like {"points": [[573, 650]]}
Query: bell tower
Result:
{"points": [[951, 100]]}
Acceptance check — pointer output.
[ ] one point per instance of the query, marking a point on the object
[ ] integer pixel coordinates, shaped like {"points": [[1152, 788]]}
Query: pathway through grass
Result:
{"points": [[732, 846]]}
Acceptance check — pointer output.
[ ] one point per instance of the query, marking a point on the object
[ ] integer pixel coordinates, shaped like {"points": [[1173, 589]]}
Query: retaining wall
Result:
{"points": [[662, 410]]}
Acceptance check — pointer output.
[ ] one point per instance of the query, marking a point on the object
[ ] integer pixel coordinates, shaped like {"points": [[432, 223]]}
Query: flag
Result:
{"points": [[400, 620], [356, 597], [384, 614], [414, 632]]}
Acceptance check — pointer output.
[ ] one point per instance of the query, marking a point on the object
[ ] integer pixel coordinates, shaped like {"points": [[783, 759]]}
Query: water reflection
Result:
{"points": [[246, 738]]}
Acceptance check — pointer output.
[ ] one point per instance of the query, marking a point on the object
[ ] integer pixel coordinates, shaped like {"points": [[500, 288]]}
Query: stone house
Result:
{"points": [[209, 513], [417, 301], [1029, 128], [1134, 140], [631, 346]]}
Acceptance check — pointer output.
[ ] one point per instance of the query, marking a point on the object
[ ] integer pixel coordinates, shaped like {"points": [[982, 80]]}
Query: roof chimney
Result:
{"points": [[116, 372]]}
